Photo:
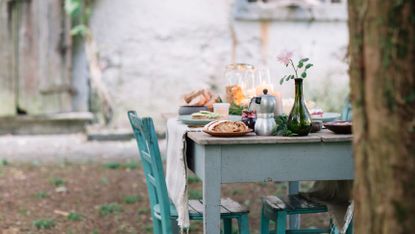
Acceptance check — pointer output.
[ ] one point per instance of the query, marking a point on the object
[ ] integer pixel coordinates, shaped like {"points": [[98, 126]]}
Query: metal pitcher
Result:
{"points": [[264, 106]]}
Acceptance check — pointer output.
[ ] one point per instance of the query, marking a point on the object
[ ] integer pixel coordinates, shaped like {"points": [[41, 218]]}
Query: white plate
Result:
{"points": [[187, 119], [327, 117]]}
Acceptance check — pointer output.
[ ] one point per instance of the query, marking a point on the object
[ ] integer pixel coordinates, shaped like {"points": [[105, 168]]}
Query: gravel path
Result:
{"points": [[73, 148]]}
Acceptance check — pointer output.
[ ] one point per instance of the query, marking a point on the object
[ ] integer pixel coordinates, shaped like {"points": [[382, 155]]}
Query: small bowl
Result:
{"points": [[188, 110], [339, 127], [316, 125]]}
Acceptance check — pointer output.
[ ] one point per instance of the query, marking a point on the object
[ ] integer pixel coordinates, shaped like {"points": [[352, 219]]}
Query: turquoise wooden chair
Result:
{"points": [[347, 111], [335, 230], [163, 212], [277, 209]]}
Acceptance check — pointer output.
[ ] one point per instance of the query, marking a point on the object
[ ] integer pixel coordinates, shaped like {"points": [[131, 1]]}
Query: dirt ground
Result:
{"points": [[100, 198]]}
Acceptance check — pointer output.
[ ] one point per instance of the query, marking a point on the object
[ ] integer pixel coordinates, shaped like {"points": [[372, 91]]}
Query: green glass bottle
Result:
{"points": [[299, 120]]}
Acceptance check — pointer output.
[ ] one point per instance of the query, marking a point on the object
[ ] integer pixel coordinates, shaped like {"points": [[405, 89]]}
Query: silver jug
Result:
{"points": [[264, 106]]}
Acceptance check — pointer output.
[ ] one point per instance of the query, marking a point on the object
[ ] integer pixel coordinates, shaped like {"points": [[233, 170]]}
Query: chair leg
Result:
{"points": [[243, 224], [264, 223], [174, 226], [281, 222], [227, 226], [156, 226], [350, 228]]}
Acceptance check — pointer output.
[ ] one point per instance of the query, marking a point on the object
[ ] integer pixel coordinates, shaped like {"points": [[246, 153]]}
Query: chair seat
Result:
{"points": [[228, 208], [292, 204]]}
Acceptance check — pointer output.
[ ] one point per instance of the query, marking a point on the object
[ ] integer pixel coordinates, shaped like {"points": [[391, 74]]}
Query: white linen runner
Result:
{"points": [[176, 169]]}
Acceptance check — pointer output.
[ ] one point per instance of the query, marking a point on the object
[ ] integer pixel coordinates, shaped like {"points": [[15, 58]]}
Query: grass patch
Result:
{"points": [[192, 179], [41, 195], [104, 180], [73, 216], [112, 165], [131, 199], [4, 162], [57, 182], [143, 210], [195, 194], [44, 223], [131, 165], [110, 208], [237, 192]]}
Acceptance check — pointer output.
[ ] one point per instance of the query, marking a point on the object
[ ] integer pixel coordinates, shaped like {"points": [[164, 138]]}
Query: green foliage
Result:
{"points": [[73, 216], [191, 179], [132, 164], [112, 165], [79, 30], [237, 192], [117, 165], [4, 162], [235, 109], [79, 11], [110, 208], [143, 210], [281, 129], [72, 7], [57, 182], [195, 194], [301, 68], [131, 199], [44, 223], [41, 195]]}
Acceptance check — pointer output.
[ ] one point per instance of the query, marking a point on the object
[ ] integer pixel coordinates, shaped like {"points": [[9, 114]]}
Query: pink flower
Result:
{"points": [[285, 57]]}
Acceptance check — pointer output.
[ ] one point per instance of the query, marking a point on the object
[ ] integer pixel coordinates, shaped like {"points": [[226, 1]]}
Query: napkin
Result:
{"points": [[176, 170]]}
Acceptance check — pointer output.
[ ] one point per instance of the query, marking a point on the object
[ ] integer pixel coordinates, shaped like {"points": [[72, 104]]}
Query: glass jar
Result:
{"points": [[240, 83]]}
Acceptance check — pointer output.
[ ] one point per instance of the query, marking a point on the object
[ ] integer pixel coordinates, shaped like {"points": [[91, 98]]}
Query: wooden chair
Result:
{"points": [[163, 212], [347, 111], [277, 209]]}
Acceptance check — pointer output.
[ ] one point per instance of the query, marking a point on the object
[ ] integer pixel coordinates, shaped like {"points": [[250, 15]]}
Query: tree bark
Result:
{"points": [[382, 72]]}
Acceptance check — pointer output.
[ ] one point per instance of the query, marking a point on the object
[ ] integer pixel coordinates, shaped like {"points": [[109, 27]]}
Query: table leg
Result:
{"points": [[211, 189], [294, 220]]}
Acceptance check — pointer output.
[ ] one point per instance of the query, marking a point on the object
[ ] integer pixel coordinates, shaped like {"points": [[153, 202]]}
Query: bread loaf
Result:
{"points": [[226, 126]]}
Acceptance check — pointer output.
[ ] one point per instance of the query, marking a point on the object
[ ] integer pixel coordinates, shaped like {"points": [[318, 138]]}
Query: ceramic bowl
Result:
{"points": [[188, 110], [316, 125], [339, 127]]}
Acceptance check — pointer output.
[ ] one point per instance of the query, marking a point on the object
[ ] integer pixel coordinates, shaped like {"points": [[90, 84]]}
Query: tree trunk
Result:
{"points": [[382, 71]]}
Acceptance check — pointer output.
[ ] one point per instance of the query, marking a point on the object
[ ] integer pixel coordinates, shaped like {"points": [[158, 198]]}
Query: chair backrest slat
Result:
{"points": [[147, 143], [146, 156]]}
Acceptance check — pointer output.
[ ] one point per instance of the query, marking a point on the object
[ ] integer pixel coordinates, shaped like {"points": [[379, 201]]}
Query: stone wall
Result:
{"points": [[154, 51]]}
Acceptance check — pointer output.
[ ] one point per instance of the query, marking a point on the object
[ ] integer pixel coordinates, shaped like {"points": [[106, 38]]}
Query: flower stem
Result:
{"points": [[295, 70]]}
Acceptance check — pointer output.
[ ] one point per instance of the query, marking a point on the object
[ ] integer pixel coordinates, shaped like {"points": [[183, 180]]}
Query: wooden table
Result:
{"points": [[320, 156]]}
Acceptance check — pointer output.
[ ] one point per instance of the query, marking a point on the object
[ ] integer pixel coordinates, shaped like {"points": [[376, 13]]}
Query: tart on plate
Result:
{"points": [[226, 128], [205, 115]]}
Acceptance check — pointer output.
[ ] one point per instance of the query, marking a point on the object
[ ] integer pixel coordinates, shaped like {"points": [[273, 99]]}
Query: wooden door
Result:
{"points": [[7, 73], [37, 57]]}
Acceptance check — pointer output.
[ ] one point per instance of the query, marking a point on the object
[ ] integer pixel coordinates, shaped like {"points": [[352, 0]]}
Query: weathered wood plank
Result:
{"points": [[43, 58], [323, 136], [233, 206], [7, 81]]}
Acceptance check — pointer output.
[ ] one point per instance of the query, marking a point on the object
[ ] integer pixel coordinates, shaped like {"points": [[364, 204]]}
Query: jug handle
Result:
{"points": [[258, 100]]}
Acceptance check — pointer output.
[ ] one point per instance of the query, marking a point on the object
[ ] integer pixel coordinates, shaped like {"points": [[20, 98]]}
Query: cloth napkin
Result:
{"points": [[176, 170]]}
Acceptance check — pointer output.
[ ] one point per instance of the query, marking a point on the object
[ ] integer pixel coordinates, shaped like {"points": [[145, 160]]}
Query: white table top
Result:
{"points": [[202, 138]]}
